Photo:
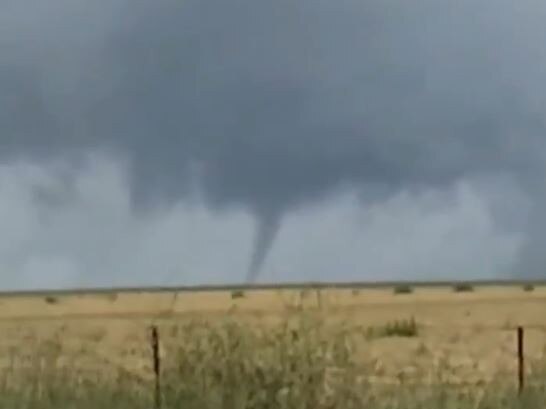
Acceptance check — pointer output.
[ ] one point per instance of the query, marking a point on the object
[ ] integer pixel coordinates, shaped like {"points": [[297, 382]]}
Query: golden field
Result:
{"points": [[467, 339]]}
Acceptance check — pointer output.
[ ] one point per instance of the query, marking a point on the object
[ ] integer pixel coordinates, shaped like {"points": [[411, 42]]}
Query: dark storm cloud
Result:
{"points": [[280, 102]]}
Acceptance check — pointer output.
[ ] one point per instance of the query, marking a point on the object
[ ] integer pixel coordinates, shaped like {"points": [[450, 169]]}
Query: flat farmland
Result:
{"points": [[370, 338]]}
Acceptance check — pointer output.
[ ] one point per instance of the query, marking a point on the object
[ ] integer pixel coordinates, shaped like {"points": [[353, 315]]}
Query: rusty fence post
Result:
{"points": [[156, 367], [521, 361]]}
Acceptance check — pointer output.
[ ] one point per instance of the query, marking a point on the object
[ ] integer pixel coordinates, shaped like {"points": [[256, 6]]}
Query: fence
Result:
{"points": [[152, 337], [155, 341]]}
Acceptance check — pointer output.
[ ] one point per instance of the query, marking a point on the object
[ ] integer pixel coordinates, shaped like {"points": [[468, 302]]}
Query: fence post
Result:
{"points": [[521, 361], [156, 366]]}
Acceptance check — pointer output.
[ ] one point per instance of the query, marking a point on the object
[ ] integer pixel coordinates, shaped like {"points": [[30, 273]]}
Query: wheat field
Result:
{"points": [[291, 348]]}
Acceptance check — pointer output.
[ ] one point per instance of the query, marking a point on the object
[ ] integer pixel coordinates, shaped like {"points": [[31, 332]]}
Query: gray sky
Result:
{"points": [[148, 141]]}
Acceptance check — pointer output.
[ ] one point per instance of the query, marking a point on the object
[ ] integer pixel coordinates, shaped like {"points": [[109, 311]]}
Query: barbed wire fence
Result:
{"points": [[151, 335]]}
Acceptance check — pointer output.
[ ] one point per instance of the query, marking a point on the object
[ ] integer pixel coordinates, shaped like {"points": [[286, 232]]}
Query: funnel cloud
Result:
{"points": [[284, 105], [267, 228]]}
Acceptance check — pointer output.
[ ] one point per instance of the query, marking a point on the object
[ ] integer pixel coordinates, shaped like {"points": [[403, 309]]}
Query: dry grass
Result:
{"points": [[274, 349]]}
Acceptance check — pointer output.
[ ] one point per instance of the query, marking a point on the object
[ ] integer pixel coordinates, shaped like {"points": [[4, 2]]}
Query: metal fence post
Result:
{"points": [[521, 361], [156, 366]]}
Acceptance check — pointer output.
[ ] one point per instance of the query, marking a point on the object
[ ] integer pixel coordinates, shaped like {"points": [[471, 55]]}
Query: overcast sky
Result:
{"points": [[186, 142]]}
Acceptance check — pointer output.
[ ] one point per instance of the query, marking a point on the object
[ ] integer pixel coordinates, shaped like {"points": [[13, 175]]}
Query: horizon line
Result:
{"points": [[269, 286]]}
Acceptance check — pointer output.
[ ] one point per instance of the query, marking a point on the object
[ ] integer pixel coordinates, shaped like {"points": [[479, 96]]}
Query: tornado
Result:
{"points": [[268, 225]]}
